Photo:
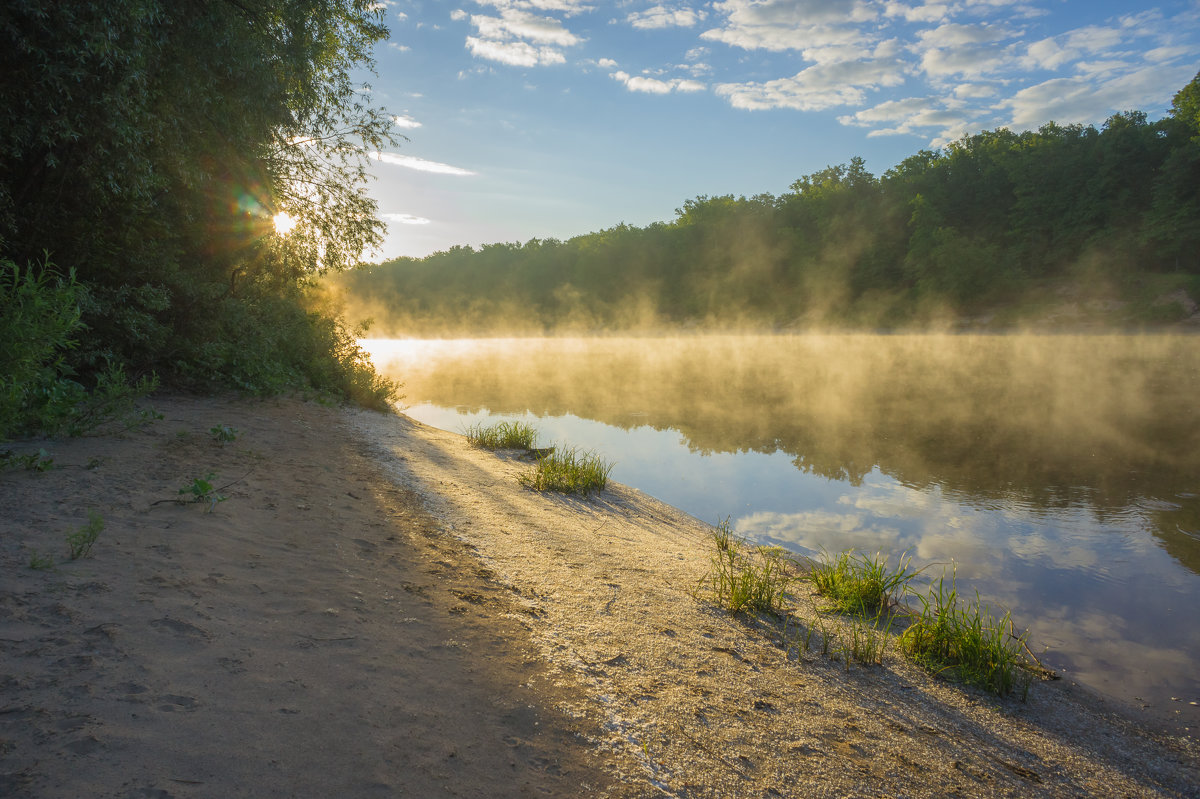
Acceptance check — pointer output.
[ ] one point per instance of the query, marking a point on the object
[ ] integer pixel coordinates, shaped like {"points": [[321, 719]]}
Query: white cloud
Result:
{"points": [[514, 24], [779, 25], [818, 87], [974, 91], [406, 219], [663, 17], [1079, 100], [520, 38], [517, 54], [1055, 51], [927, 12], [568, 8], [641, 83], [913, 115], [420, 164], [458, 15], [606, 63], [406, 122]]}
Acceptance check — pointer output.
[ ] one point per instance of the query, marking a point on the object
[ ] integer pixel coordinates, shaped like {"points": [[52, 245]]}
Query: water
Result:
{"points": [[1060, 475]]}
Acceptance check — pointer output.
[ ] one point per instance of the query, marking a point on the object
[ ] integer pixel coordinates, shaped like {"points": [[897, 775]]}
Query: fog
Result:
{"points": [[1060, 473], [1105, 420]]}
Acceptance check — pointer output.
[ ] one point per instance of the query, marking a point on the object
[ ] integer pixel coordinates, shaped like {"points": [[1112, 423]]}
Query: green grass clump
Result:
{"points": [[203, 491], [861, 585], [223, 434], [966, 642], [569, 471], [80, 542], [746, 578], [503, 435]]}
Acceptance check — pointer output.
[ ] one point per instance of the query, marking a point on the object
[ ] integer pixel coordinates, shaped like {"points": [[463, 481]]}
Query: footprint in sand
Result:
{"points": [[173, 703], [180, 628]]}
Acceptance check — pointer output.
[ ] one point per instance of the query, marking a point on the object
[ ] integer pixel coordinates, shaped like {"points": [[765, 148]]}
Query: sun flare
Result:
{"points": [[284, 223]]}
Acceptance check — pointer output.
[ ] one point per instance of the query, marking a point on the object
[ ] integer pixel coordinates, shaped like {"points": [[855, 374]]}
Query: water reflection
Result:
{"points": [[1061, 472]]}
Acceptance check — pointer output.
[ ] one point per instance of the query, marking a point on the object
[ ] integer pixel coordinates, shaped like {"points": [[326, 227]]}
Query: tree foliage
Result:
{"points": [[147, 144], [979, 229]]}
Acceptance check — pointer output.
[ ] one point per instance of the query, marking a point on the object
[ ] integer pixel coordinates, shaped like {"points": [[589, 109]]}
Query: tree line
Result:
{"points": [[995, 227], [145, 147]]}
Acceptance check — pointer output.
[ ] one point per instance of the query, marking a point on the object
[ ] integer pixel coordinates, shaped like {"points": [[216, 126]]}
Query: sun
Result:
{"points": [[284, 222]]}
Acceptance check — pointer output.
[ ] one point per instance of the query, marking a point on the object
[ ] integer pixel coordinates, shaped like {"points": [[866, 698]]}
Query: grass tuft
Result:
{"points": [[80, 542], [861, 585], [746, 578], [569, 471], [503, 435], [967, 643]]}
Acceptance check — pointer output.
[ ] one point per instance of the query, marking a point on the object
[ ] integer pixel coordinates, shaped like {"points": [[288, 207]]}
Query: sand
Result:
{"points": [[378, 609]]}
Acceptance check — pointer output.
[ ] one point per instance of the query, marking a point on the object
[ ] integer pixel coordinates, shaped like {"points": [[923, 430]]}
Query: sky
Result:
{"points": [[548, 119]]}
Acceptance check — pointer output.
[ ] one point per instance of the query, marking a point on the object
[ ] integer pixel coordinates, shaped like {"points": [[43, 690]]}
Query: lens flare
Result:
{"points": [[284, 223]]}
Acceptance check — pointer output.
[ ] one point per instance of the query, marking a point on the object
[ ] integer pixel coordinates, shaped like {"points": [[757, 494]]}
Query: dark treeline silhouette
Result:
{"points": [[997, 228]]}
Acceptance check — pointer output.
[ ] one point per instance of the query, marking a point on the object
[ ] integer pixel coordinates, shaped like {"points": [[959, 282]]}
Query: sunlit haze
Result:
{"points": [[284, 223], [551, 118]]}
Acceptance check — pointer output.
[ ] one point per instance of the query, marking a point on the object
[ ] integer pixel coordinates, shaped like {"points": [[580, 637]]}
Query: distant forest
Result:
{"points": [[1065, 225]]}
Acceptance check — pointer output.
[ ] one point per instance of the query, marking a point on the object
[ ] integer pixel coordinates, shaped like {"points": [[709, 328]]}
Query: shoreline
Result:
{"points": [[398, 588]]}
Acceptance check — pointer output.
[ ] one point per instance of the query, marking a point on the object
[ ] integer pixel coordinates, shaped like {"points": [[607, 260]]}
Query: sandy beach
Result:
{"points": [[376, 609]]}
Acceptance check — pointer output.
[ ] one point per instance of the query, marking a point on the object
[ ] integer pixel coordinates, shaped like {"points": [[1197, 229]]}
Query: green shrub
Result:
{"points": [[39, 325], [39, 317]]}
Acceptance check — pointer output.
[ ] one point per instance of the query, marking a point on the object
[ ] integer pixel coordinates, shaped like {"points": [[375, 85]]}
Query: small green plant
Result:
{"points": [[40, 561], [503, 435], [966, 642], [569, 471], [32, 462], [223, 434], [202, 490], [80, 542], [745, 578], [868, 642], [861, 585]]}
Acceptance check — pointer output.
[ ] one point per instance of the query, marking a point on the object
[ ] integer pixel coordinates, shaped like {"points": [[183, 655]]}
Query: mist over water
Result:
{"points": [[1061, 474]]}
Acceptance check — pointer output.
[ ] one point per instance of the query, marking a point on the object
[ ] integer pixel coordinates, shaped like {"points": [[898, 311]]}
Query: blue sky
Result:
{"points": [[551, 118]]}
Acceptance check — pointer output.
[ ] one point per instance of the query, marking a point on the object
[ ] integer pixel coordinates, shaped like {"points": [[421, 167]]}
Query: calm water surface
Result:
{"points": [[1059, 474]]}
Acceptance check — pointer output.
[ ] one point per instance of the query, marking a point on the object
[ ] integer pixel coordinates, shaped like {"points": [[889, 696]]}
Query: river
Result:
{"points": [[1058, 476]]}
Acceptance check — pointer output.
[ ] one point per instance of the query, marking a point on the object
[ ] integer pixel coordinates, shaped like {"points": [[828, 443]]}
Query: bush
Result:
{"points": [[39, 317], [39, 323]]}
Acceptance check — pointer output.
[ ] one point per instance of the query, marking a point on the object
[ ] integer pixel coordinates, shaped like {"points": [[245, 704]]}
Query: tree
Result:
{"points": [[148, 143]]}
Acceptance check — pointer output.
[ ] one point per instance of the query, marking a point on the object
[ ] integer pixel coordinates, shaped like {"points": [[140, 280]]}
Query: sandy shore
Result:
{"points": [[377, 609]]}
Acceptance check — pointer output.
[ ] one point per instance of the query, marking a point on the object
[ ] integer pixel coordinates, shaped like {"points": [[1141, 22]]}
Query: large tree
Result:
{"points": [[147, 144]]}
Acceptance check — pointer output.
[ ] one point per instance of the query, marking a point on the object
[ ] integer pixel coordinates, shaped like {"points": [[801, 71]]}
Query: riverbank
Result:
{"points": [[375, 608]]}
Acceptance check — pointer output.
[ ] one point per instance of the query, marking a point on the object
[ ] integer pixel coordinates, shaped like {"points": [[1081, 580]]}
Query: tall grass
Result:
{"points": [[503, 435], [966, 642], [861, 585], [745, 578], [569, 471]]}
